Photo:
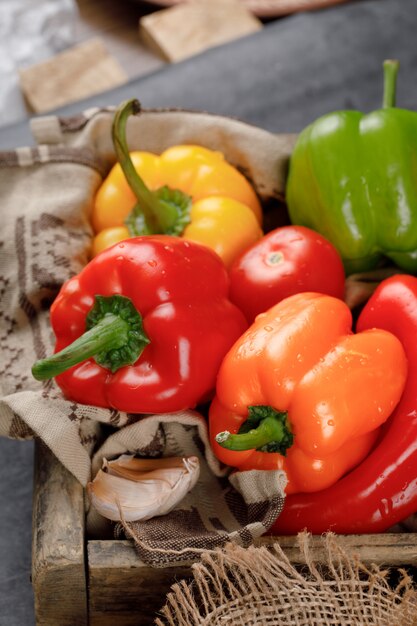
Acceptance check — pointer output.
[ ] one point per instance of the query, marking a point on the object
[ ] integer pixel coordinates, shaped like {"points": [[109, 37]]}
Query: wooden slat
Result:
{"points": [[189, 29], [117, 24], [123, 590], [390, 549], [67, 77], [58, 561]]}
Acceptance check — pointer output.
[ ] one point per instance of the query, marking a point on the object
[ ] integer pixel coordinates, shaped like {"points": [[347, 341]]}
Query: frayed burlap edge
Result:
{"points": [[259, 585]]}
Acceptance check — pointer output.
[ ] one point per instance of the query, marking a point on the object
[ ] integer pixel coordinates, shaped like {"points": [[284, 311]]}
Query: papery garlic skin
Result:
{"points": [[131, 489]]}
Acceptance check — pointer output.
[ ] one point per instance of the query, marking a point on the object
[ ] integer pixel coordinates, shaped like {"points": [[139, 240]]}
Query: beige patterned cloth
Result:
{"points": [[46, 197]]}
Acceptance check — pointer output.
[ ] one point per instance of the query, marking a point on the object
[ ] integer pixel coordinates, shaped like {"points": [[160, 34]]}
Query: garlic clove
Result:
{"points": [[133, 468], [131, 462], [124, 490]]}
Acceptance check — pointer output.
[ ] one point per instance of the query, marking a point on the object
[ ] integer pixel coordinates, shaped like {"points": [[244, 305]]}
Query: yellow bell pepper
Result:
{"points": [[188, 191]]}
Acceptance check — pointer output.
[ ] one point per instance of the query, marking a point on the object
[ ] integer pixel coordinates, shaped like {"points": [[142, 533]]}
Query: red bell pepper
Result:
{"points": [[382, 490], [156, 332]]}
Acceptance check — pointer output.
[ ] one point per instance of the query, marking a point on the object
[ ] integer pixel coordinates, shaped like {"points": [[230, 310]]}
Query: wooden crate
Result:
{"points": [[78, 581]]}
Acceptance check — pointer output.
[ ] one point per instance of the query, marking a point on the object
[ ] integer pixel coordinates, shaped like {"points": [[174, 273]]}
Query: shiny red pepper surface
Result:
{"points": [[382, 490], [180, 289]]}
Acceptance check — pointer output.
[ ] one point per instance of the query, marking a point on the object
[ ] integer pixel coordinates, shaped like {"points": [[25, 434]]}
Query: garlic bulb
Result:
{"points": [[137, 489]]}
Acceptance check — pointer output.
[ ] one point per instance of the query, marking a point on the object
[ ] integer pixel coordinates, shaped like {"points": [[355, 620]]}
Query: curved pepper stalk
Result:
{"points": [[266, 430], [114, 338], [165, 211]]}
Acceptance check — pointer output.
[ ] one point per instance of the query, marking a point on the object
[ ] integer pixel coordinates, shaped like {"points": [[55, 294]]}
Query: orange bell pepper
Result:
{"points": [[300, 392], [188, 191]]}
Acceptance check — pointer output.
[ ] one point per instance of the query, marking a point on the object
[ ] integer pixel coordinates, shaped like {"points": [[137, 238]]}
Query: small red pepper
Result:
{"points": [[288, 260], [382, 490], [156, 333]]}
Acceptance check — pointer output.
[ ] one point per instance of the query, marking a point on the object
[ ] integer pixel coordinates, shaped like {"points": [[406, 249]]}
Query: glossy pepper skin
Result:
{"points": [[188, 191], [331, 388], [172, 328], [382, 490], [352, 177], [287, 260]]}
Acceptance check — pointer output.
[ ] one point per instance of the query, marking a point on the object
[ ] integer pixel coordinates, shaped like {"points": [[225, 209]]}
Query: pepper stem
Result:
{"points": [[390, 83], [158, 210], [265, 429], [114, 337]]}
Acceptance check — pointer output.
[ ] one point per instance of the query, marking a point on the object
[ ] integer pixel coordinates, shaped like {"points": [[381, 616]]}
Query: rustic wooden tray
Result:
{"points": [[80, 582]]}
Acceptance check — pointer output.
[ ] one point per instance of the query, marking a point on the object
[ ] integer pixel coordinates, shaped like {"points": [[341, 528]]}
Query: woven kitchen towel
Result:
{"points": [[46, 197], [219, 509]]}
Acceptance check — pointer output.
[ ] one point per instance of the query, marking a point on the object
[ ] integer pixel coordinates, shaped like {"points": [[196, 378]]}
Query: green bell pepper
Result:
{"points": [[353, 178]]}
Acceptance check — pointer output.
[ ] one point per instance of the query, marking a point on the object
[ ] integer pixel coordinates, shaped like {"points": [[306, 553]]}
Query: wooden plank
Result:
{"points": [[116, 23], [182, 31], [58, 562], [123, 590], [390, 549], [67, 77]]}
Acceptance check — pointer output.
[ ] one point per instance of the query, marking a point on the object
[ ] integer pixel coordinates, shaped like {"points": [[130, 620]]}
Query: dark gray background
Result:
{"points": [[281, 79]]}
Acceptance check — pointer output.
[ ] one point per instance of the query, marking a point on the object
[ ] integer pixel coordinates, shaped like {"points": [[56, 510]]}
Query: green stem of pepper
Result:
{"points": [[114, 338], [165, 210], [266, 429], [159, 216], [390, 83]]}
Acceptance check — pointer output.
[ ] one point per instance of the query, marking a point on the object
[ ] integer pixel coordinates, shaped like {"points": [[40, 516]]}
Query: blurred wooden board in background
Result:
{"points": [[116, 23], [79, 72], [268, 8], [188, 29], [108, 49]]}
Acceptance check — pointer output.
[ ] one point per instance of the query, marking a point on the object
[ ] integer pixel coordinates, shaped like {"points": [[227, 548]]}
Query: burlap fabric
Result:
{"points": [[259, 585], [46, 196]]}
